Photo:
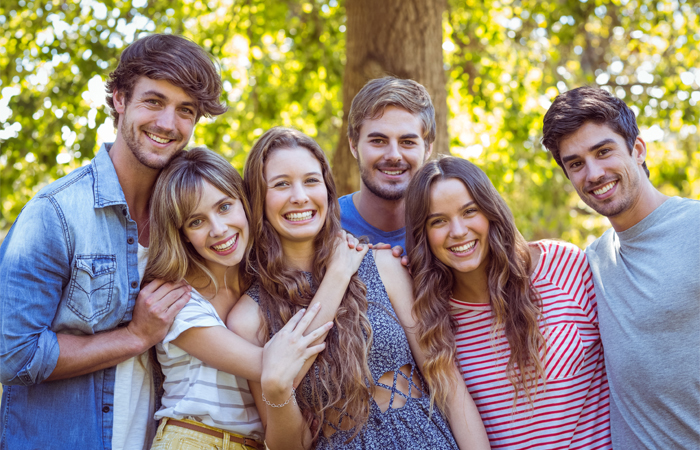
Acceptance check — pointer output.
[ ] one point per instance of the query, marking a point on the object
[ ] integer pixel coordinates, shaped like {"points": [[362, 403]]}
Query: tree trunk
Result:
{"points": [[401, 38]]}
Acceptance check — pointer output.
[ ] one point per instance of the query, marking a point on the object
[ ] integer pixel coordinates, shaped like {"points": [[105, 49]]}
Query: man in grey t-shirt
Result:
{"points": [[646, 271]]}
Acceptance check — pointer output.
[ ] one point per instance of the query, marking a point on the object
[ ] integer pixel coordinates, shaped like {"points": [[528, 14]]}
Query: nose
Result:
{"points": [[166, 119], [594, 171], [458, 229], [218, 227], [392, 153], [299, 196]]}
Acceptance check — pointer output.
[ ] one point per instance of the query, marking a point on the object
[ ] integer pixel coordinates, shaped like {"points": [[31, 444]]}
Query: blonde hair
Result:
{"points": [[342, 374], [175, 196]]}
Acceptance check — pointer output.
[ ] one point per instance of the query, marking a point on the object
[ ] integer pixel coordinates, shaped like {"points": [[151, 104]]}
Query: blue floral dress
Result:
{"points": [[410, 426]]}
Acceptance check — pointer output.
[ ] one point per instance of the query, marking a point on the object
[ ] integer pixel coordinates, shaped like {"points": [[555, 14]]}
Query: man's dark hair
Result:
{"points": [[573, 109], [172, 58]]}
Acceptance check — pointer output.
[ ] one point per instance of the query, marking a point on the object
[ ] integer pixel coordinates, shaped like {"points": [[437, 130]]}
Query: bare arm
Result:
{"points": [[465, 421], [156, 307], [283, 357]]}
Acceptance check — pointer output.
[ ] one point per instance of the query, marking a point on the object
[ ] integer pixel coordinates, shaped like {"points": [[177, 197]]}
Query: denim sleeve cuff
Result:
{"points": [[44, 361]]}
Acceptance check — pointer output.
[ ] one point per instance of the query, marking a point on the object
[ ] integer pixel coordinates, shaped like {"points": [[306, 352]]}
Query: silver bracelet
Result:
{"points": [[292, 397]]}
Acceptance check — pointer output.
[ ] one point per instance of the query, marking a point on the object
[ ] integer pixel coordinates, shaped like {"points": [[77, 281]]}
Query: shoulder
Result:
{"points": [[396, 279], [346, 202], [602, 243], [559, 259], [244, 320]]}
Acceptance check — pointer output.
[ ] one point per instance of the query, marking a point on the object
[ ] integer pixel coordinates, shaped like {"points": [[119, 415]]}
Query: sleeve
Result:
{"points": [[197, 313], [576, 279], [34, 269]]}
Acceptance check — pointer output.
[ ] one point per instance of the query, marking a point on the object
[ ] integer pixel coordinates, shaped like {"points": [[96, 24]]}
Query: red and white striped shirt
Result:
{"points": [[572, 410]]}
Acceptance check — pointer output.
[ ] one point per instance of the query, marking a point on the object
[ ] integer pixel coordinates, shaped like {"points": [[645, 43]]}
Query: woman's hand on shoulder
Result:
{"points": [[347, 255], [285, 354]]}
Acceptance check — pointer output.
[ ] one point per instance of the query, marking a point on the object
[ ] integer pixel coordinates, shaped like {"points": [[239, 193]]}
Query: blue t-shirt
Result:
{"points": [[353, 222]]}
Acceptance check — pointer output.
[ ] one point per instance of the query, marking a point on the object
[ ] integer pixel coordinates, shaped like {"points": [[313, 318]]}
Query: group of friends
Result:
{"points": [[156, 299]]}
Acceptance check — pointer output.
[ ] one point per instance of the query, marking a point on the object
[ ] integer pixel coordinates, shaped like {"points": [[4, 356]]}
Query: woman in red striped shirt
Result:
{"points": [[520, 317]]}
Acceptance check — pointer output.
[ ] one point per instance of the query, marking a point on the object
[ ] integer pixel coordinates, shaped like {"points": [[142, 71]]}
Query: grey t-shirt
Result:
{"points": [[647, 281]]}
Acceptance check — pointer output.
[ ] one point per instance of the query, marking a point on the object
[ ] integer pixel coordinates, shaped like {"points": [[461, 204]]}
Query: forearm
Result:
{"points": [[329, 294], [464, 418], [80, 355], [285, 425]]}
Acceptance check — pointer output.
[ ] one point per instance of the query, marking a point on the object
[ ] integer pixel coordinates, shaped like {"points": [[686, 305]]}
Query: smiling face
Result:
{"points": [[389, 151], [457, 230], [156, 122], [604, 173], [217, 229], [296, 202]]}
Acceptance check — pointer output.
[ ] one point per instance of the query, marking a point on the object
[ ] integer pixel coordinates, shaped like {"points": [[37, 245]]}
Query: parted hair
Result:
{"points": [[340, 375], [380, 93], [515, 304], [573, 109], [175, 197], [172, 58]]}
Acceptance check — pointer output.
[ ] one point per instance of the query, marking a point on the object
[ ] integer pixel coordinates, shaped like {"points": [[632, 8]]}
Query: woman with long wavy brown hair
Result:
{"points": [[364, 390], [520, 318]]}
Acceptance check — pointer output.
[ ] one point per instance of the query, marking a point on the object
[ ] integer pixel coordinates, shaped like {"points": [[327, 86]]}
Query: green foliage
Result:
{"points": [[509, 59], [282, 63]]}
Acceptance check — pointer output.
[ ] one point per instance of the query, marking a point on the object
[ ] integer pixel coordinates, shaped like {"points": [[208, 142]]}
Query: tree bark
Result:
{"points": [[401, 38]]}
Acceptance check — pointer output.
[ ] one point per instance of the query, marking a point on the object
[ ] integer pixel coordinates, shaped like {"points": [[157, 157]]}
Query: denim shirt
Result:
{"points": [[68, 265]]}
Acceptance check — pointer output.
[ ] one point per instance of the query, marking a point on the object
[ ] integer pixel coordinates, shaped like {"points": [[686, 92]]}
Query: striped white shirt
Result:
{"points": [[196, 391], [572, 410]]}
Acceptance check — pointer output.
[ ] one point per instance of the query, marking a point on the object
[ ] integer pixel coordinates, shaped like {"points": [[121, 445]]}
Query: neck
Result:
{"points": [[472, 287], [648, 199], [386, 215], [227, 279], [137, 182], [299, 255]]}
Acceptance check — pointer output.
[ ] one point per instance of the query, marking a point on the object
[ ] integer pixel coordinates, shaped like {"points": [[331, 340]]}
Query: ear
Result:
{"points": [[353, 150], [639, 152], [119, 100], [428, 152]]}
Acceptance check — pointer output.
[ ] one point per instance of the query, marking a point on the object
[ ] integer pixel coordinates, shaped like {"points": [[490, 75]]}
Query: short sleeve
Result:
{"points": [[197, 313]]}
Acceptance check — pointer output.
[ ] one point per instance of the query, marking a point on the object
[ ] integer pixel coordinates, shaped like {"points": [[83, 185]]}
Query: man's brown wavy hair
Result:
{"points": [[174, 59]]}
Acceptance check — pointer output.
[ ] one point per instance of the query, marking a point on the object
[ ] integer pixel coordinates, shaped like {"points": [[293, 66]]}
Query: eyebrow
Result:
{"points": [[466, 205], [592, 148], [162, 96], [284, 175], [382, 135]]}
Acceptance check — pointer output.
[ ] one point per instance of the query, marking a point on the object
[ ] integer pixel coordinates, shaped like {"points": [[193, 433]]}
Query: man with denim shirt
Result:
{"points": [[75, 328]]}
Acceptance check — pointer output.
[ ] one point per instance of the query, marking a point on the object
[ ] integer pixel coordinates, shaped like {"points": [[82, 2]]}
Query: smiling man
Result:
{"points": [[391, 129], [76, 328], [646, 271]]}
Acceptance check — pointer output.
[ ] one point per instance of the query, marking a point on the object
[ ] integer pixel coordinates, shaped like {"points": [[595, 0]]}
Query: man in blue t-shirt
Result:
{"points": [[391, 129]]}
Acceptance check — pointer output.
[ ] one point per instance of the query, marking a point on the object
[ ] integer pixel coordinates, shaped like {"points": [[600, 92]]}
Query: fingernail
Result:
{"points": [[317, 305], [303, 310]]}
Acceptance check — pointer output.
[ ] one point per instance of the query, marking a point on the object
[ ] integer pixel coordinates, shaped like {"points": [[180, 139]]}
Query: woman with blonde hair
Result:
{"points": [[364, 390], [200, 233], [520, 318]]}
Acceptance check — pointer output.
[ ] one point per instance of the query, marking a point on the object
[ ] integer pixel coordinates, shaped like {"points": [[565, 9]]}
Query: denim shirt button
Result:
{"points": [[130, 241], [105, 409], [134, 284]]}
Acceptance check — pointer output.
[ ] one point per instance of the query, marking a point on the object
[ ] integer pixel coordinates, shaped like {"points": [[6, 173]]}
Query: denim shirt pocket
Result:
{"points": [[92, 286]]}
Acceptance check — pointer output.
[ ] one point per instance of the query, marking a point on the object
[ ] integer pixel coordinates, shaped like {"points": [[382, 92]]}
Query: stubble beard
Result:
{"points": [[625, 198], [129, 137], [392, 192]]}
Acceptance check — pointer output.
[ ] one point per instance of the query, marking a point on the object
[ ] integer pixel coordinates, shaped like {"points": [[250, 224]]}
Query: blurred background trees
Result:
{"points": [[492, 66]]}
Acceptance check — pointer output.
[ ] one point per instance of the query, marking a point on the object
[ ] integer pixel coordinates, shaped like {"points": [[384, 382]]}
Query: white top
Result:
{"points": [[134, 395], [196, 391], [572, 410]]}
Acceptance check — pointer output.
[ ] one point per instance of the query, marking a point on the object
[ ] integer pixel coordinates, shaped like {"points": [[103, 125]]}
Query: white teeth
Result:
{"points": [[226, 245], [605, 188], [393, 172], [463, 248], [297, 217], [157, 139]]}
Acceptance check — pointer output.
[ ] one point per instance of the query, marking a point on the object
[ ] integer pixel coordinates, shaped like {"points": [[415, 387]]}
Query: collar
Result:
{"points": [[106, 188]]}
